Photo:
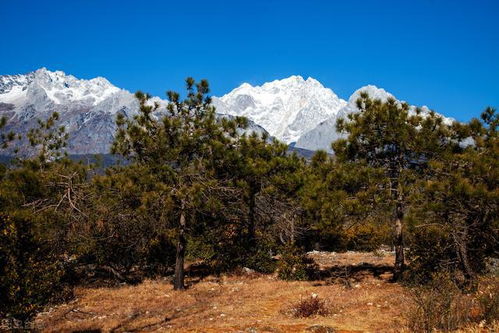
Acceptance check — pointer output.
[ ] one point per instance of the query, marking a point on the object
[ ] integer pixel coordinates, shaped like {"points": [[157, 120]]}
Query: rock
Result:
{"points": [[320, 329], [248, 271]]}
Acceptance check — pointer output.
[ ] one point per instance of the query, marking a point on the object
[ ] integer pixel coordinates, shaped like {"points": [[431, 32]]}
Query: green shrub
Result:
{"points": [[293, 265], [199, 248], [367, 237], [261, 260], [30, 276], [429, 252], [160, 255]]}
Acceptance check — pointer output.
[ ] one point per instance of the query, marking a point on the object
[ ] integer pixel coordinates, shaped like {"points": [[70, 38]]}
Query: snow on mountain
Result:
{"points": [[57, 86], [292, 110], [87, 108], [286, 108], [325, 133]]}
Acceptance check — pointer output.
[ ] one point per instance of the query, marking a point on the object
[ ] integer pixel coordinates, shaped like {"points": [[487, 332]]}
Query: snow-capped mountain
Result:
{"points": [[325, 132], [321, 136], [87, 108], [293, 110], [286, 108]]}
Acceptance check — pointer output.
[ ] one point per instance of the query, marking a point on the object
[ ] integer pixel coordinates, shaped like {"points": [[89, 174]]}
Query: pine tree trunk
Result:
{"points": [[178, 282], [462, 252], [399, 236], [251, 220], [399, 244]]}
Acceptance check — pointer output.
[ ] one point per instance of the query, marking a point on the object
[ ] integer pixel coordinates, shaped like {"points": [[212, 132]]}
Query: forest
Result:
{"points": [[193, 187]]}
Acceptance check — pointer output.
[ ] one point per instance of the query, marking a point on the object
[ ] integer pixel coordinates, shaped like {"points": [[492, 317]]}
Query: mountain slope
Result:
{"points": [[286, 108]]}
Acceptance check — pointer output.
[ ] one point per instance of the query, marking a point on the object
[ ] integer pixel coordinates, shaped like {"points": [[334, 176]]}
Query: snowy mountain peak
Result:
{"points": [[373, 92], [286, 108], [55, 86], [87, 108], [292, 109], [325, 132]]}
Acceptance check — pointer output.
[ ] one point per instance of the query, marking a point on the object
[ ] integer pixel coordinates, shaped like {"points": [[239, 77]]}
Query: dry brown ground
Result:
{"points": [[368, 302]]}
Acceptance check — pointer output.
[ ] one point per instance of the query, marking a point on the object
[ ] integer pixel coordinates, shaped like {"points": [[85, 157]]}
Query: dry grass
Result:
{"points": [[235, 304]]}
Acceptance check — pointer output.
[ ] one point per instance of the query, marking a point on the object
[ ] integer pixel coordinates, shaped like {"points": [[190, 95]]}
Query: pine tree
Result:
{"points": [[389, 137], [339, 198], [179, 150], [5, 138], [459, 202], [48, 139], [36, 198]]}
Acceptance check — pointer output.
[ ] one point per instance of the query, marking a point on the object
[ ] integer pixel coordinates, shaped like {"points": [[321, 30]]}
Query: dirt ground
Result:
{"points": [[355, 286]]}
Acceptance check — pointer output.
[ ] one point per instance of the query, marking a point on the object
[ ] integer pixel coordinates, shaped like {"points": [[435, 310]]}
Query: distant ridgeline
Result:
{"points": [[103, 161]]}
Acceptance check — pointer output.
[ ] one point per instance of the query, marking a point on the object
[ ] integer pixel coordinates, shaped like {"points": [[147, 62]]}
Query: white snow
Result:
{"points": [[286, 108], [15, 96], [325, 133]]}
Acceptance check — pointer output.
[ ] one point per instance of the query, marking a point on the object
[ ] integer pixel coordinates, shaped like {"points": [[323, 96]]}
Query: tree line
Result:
{"points": [[200, 187]]}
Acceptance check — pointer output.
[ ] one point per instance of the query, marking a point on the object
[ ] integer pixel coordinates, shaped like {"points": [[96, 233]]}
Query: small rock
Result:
{"points": [[247, 270], [320, 329]]}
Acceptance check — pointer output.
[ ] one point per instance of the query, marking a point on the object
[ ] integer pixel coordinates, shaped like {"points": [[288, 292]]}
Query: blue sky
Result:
{"points": [[444, 54]]}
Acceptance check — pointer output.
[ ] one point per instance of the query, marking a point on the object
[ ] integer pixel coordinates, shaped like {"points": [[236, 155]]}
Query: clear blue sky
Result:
{"points": [[444, 54]]}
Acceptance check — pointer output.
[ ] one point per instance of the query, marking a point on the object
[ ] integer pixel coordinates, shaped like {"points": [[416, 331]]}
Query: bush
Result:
{"points": [[199, 248], [294, 265], [234, 253], [160, 255], [261, 260], [429, 252], [440, 305], [310, 306], [433, 249], [30, 276], [367, 237], [489, 302]]}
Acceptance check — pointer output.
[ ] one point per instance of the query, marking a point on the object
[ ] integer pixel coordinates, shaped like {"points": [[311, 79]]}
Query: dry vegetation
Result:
{"points": [[363, 301]]}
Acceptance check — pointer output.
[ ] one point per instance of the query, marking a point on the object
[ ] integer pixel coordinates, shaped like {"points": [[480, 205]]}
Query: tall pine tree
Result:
{"points": [[390, 137], [179, 149]]}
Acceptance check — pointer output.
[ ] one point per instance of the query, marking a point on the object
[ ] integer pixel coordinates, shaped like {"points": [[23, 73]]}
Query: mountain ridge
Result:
{"points": [[300, 112], [286, 108]]}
